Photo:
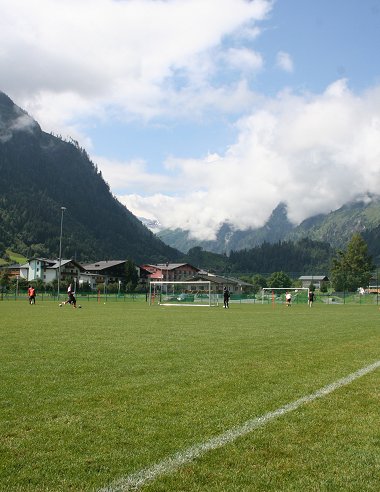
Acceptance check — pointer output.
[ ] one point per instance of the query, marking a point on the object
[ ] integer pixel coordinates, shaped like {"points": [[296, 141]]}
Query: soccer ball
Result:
{"points": [[296, 290]]}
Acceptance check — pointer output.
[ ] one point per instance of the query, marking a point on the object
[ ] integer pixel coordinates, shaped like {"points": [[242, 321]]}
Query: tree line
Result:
{"points": [[271, 265]]}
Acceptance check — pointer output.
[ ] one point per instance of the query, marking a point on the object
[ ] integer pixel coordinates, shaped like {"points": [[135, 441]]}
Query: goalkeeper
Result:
{"points": [[226, 297]]}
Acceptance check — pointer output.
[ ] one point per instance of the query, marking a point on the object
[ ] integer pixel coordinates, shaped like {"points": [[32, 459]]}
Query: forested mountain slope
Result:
{"points": [[40, 173]]}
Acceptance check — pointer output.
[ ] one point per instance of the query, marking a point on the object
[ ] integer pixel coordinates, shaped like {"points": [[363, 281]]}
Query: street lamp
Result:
{"points": [[60, 249]]}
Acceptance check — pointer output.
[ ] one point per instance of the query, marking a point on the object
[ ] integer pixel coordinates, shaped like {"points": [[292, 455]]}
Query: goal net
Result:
{"points": [[277, 295], [198, 293]]}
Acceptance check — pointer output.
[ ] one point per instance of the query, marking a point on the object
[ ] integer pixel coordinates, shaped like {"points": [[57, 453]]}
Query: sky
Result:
{"points": [[204, 112]]}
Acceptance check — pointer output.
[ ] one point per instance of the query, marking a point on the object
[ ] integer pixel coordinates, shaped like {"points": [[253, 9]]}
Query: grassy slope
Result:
{"points": [[14, 258], [94, 394]]}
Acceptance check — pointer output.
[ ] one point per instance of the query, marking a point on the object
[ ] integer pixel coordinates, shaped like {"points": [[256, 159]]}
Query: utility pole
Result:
{"points": [[60, 249]]}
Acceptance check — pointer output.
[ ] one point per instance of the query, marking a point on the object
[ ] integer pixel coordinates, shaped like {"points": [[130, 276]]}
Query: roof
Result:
{"points": [[156, 275], [66, 262], [9, 266], [313, 277], [143, 270], [169, 266], [219, 279], [53, 263], [103, 265], [44, 260]]}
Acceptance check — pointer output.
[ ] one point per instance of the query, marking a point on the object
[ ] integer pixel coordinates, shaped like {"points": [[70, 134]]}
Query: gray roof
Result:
{"points": [[219, 279], [102, 265], [66, 262], [171, 266], [53, 263], [313, 277]]}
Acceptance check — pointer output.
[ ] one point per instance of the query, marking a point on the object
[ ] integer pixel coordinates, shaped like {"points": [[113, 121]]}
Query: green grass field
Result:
{"points": [[92, 395]]}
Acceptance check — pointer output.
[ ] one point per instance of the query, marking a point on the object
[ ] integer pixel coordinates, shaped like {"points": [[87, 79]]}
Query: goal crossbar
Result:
{"points": [[186, 293]]}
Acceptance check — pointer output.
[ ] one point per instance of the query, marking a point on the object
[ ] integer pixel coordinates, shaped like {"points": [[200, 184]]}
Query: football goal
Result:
{"points": [[276, 295], [197, 293]]}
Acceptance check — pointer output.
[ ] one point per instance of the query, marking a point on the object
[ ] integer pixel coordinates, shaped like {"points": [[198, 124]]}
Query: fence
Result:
{"points": [[336, 298], [80, 297]]}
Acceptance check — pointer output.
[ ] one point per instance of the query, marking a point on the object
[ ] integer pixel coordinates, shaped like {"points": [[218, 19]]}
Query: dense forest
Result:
{"points": [[372, 238], [301, 257]]}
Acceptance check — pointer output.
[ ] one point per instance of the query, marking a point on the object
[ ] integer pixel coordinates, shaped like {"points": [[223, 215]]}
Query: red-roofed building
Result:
{"points": [[169, 272]]}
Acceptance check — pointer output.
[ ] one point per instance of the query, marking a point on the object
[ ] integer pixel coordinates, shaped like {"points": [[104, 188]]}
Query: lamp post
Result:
{"points": [[60, 249]]}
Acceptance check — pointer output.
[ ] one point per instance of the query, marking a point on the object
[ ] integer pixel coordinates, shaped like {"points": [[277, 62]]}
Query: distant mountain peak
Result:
{"points": [[152, 224], [335, 228]]}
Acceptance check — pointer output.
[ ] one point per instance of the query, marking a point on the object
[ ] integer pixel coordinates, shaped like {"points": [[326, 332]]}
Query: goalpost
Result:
{"points": [[277, 294], [197, 293]]}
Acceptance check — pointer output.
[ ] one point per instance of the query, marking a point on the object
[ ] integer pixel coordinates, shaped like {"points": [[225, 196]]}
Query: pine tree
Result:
{"points": [[131, 276], [352, 268]]}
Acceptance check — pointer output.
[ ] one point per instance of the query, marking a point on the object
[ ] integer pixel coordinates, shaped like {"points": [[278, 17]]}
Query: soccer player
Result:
{"points": [[71, 297], [31, 295], [226, 297], [311, 298], [288, 298]]}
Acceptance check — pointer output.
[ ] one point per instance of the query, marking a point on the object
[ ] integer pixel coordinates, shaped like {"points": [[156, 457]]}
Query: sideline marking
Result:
{"points": [[171, 464]]}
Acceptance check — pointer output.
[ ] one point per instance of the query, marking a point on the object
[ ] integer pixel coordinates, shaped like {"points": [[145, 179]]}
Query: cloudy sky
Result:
{"points": [[200, 112]]}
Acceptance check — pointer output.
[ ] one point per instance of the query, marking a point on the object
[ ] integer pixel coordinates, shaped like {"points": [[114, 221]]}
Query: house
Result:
{"points": [[109, 271], [374, 285], [48, 270], [316, 280], [171, 272], [234, 285], [144, 277], [13, 270], [106, 271]]}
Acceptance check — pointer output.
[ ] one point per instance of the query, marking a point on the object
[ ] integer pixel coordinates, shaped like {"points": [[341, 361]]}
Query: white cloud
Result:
{"points": [[314, 152], [129, 175], [19, 121], [244, 59], [75, 61], [284, 61], [90, 56]]}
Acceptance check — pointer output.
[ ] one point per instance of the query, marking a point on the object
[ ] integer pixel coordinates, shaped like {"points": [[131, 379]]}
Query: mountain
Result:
{"points": [[338, 227], [151, 224], [40, 173], [335, 228], [372, 238], [229, 239]]}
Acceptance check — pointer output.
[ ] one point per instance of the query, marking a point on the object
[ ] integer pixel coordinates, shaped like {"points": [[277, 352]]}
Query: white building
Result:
{"points": [[47, 270]]}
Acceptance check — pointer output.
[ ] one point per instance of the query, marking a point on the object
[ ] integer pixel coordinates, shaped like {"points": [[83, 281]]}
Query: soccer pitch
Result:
{"points": [[123, 396]]}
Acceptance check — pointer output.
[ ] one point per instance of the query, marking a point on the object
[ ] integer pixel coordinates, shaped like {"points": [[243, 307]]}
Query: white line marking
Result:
{"points": [[171, 464]]}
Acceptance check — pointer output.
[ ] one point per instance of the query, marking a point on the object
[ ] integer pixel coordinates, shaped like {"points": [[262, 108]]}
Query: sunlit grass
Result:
{"points": [[16, 257], [97, 393]]}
